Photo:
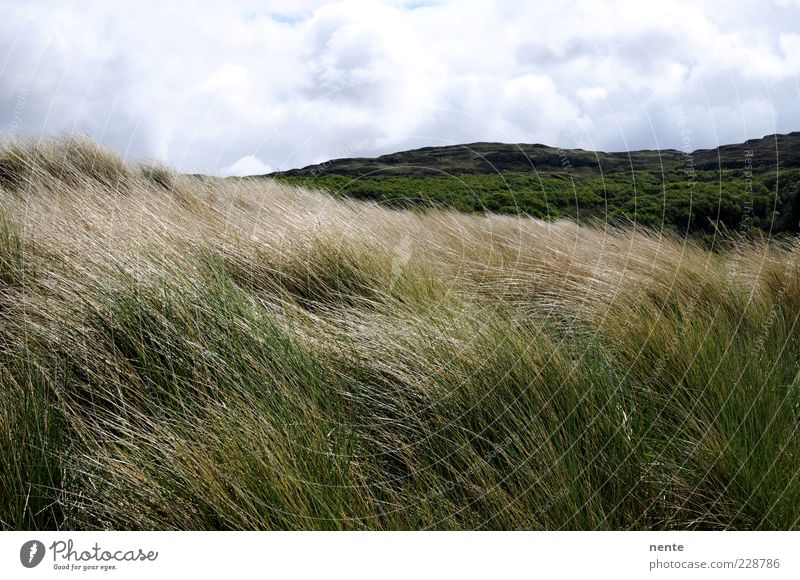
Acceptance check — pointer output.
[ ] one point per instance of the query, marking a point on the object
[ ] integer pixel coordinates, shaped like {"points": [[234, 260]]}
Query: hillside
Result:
{"points": [[484, 158], [769, 152], [749, 187]]}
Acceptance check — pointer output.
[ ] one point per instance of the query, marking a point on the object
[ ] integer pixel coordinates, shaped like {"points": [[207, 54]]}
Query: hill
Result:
{"points": [[750, 187], [768, 152], [483, 158]]}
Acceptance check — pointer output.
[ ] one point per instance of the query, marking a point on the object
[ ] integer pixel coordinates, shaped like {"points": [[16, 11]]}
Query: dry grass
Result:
{"points": [[189, 353]]}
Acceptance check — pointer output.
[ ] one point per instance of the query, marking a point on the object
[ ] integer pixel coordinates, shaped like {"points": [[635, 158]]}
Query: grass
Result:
{"points": [[197, 353], [700, 203]]}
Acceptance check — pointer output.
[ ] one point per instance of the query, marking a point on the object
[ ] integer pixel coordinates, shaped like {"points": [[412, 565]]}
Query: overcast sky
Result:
{"points": [[247, 87]]}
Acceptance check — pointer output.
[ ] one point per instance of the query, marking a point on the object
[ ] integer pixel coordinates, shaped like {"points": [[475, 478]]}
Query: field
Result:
{"points": [[180, 352], [709, 202], [751, 188]]}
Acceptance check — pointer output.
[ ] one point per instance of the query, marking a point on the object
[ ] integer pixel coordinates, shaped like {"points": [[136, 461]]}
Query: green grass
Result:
{"points": [[700, 205], [182, 353]]}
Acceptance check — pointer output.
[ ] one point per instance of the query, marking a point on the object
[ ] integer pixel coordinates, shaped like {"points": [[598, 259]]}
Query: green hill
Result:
{"points": [[749, 187]]}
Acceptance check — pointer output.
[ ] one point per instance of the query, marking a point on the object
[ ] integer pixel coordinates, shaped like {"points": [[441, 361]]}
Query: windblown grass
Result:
{"points": [[195, 353]]}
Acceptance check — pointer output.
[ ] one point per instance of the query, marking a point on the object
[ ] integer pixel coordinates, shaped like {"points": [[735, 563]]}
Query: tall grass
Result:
{"points": [[197, 353]]}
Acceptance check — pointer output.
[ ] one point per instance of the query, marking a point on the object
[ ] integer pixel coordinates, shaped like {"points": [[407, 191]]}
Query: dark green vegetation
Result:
{"points": [[749, 188], [178, 353]]}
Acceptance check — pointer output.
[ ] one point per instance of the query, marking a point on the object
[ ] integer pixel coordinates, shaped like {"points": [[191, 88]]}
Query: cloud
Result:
{"points": [[247, 165], [222, 87]]}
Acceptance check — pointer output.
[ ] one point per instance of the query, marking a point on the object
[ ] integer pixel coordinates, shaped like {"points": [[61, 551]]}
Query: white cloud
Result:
{"points": [[286, 83], [590, 94], [247, 165]]}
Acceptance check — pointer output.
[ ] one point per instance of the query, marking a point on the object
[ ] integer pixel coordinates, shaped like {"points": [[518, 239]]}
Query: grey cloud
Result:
{"points": [[367, 78]]}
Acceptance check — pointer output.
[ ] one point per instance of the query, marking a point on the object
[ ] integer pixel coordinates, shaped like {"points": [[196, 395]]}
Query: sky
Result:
{"points": [[245, 87]]}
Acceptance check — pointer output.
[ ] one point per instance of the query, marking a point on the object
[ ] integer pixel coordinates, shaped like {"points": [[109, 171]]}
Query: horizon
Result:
{"points": [[519, 143]]}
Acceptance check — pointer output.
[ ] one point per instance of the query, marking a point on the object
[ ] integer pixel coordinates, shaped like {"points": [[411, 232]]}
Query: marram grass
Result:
{"points": [[198, 353]]}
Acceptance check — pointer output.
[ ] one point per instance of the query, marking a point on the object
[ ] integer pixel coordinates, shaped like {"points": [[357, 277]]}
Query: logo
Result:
{"points": [[31, 553]]}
